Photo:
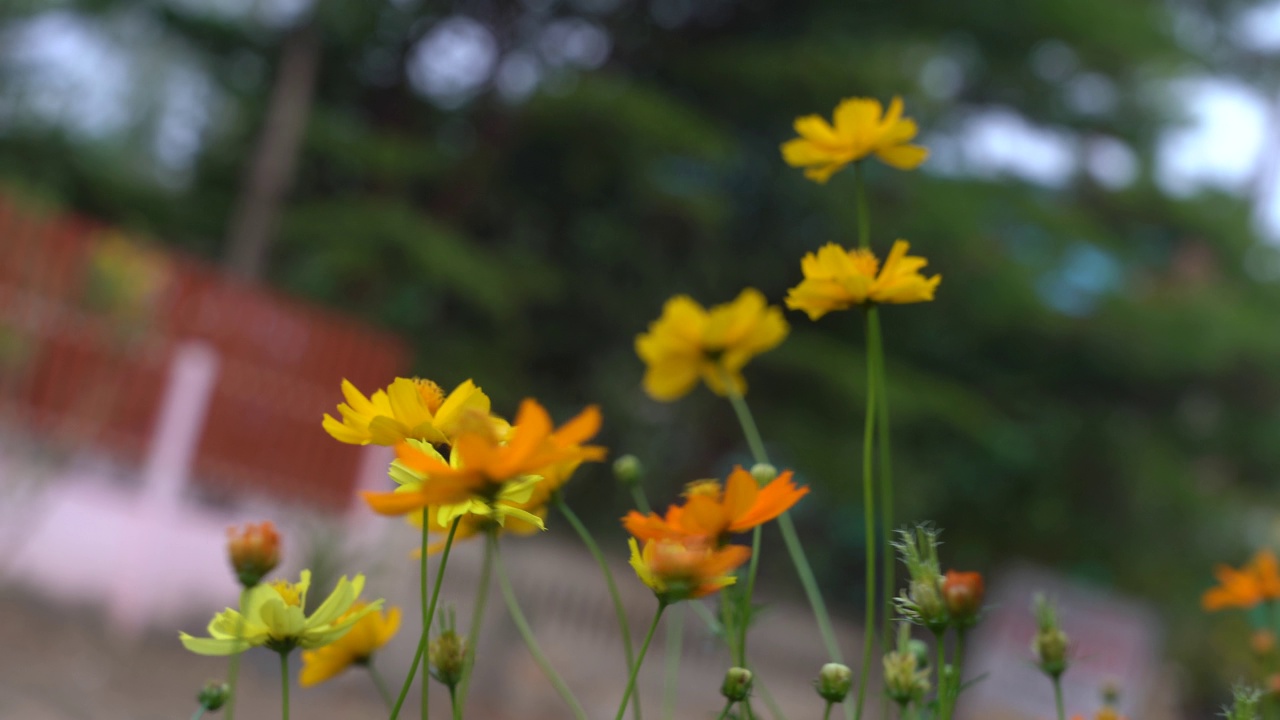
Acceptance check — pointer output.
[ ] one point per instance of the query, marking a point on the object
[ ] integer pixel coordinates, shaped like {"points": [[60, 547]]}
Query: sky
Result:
{"points": [[96, 82]]}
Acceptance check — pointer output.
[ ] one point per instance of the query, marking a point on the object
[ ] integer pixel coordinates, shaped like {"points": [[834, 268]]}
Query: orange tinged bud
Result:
{"points": [[963, 593], [254, 551], [1262, 642]]}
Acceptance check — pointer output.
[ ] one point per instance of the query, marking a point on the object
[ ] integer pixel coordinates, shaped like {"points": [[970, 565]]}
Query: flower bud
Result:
{"points": [[921, 651], [448, 657], [834, 682], [254, 551], [737, 684], [628, 470], [904, 681], [1244, 704], [963, 592], [214, 695], [764, 472], [1050, 644], [929, 608]]}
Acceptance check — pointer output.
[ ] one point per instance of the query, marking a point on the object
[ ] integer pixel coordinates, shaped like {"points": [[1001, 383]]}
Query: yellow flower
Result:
{"points": [[861, 128], [408, 408], [274, 615], [677, 570], [367, 636], [837, 279], [689, 342]]}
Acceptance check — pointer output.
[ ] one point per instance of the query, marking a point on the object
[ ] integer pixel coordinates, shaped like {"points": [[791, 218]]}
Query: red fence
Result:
{"points": [[88, 322]]}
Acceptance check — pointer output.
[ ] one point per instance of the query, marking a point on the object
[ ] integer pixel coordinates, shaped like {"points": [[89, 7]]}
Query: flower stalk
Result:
{"points": [[460, 694], [431, 608], [635, 670]]}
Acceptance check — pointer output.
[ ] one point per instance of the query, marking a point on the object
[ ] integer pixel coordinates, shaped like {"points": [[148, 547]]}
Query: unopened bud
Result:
{"points": [[927, 598], [1262, 642], [963, 593], [904, 680], [834, 682], [214, 695], [448, 656], [921, 651], [737, 684], [254, 551], [1050, 643], [628, 470], [764, 472]]}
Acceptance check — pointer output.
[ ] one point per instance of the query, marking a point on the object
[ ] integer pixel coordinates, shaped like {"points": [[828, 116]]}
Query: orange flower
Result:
{"points": [[1246, 587], [481, 462], [254, 551], [678, 571], [716, 512]]}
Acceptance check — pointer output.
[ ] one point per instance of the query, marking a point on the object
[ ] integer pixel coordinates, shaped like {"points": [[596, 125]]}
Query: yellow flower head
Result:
{"points": [[274, 615], [681, 569], [838, 279], [689, 342], [490, 472], [367, 636], [408, 408], [861, 128]]}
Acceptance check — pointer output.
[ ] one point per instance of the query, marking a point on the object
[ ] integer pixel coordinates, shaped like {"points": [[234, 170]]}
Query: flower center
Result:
{"points": [[703, 488], [288, 592]]}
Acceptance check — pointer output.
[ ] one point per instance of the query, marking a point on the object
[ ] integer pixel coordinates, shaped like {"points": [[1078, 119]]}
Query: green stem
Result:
{"points": [[199, 713], [951, 705], [758, 685], [748, 423], [864, 216], [284, 685], [453, 702], [869, 519], [826, 714], [728, 621], [623, 626], [517, 616], [426, 614], [671, 676], [431, 609], [1057, 697], [639, 498], [477, 621], [940, 644], [725, 712], [635, 671], [875, 352], [379, 683]]}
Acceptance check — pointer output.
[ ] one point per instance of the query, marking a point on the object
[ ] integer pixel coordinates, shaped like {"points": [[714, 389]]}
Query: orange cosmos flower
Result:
{"points": [[716, 512], [678, 571], [482, 462], [1246, 587]]}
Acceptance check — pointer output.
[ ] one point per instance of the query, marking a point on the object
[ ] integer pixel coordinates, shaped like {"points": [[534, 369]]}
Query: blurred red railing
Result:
{"points": [[88, 322]]}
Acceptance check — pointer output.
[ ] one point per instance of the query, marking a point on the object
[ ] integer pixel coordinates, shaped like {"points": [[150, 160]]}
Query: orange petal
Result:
{"points": [[775, 498], [740, 492]]}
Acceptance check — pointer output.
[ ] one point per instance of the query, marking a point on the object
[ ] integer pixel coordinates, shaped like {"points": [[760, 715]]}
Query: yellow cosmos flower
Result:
{"points": [[489, 473], [678, 570], [837, 279], [689, 342], [367, 636], [273, 615], [408, 408], [861, 128]]}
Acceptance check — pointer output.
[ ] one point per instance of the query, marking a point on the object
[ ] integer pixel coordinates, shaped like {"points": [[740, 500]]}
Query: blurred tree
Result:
{"points": [[518, 186]]}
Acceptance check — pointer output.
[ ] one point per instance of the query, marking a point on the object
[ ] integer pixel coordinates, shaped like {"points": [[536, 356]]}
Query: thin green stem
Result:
{"points": [[379, 683], [671, 661], [453, 702], [728, 621], [623, 626], [940, 644], [426, 614], [517, 616], [477, 621], [426, 629], [284, 685], [810, 584], [635, 671], [826, 714], [759, 686], [955, 696], [199, 713], [864, 216], [725, 712], [875, 353], [744, 615], [1057, 697], [748, 423], [869, 519], [639, 498]]}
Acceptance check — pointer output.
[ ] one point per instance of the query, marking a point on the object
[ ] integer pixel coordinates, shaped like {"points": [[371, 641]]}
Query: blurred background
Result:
{"points": [[212, 211]]}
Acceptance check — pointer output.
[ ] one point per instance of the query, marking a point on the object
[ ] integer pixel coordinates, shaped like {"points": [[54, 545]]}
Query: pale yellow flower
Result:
{"points": [[274, 615], [838, 279], [861, 128], [689, 343]]}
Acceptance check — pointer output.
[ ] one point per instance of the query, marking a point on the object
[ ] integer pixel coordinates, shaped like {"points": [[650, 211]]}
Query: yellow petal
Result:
{"points": [[903, 157]]}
